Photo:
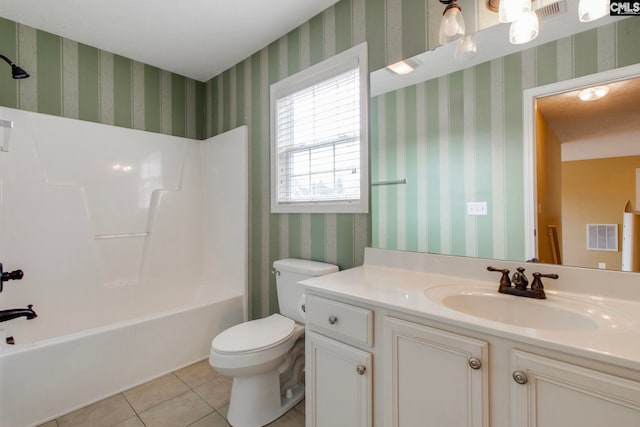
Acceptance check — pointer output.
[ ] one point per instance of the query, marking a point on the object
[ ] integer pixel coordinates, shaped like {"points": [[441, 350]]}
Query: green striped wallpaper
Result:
{"points": [[458, 138], [74, 80], [240, 96]]}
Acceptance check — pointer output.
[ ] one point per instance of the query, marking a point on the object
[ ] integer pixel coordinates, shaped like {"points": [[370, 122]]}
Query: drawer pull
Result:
{"points": [[361, 369], [475, 363], [333, 320], [520, 377]]}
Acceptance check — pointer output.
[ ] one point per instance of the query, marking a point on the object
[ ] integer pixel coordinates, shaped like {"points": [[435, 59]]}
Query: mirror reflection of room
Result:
{"points": [[588, 166]]}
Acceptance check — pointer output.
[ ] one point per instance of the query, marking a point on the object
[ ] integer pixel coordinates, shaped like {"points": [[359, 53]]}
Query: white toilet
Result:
{"points": [[265, 357]]}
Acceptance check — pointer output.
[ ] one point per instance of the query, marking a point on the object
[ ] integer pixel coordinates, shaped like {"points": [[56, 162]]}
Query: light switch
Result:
{"points": [[476, 208]]}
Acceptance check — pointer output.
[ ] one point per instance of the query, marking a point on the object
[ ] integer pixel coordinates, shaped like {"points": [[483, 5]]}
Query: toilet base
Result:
{"points": [[256, 400]]}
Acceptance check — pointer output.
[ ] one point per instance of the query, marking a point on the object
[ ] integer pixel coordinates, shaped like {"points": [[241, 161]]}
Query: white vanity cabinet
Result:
{"points": [[338, 374], [550, 393], [430, 363], [433, 377]]}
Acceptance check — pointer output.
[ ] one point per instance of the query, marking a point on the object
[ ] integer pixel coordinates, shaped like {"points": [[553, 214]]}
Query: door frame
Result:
{"points": [[529, 139]]}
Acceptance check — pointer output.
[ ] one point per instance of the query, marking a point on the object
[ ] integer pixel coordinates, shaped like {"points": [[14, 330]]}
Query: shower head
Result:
{"points": [[16, 72]]}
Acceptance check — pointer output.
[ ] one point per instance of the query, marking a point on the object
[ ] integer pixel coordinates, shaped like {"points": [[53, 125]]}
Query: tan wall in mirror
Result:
{"points": [[549, 198], [595, 191]]}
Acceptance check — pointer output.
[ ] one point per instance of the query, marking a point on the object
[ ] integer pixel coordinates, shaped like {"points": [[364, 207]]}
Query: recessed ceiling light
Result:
{"points": [[593, 93], [403, 67]]}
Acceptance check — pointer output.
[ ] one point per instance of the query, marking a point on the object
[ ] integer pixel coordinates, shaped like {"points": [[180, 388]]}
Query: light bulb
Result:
{"points": [[452, 24], [466, 49], [590, 10], [593, 93], [524, 29], [512, 10]]}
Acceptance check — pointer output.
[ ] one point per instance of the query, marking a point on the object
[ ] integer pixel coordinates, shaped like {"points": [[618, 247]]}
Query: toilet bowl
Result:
{"points": [[265, 357]]}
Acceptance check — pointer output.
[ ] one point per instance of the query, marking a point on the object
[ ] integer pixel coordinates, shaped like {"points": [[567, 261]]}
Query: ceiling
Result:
{"points": [[573, 120], [195, 38]]}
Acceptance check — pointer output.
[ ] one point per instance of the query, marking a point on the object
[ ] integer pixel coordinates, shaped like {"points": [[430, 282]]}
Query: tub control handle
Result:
{"points": [[333, 320], [12, 275]]}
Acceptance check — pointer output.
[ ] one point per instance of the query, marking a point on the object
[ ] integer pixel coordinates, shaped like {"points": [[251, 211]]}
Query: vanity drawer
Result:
{"points": [[340, 320]]}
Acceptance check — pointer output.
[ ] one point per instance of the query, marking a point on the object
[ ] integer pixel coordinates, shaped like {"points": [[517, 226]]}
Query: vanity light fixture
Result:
{"points": [[590, 10], [403, 67], [512, 10], [593, 93], [466, 49], [524, 29], [16, 72], [524, 17], [452, 24]]}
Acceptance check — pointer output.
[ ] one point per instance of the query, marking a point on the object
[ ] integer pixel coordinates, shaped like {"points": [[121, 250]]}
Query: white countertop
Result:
{"points": [[403, 290]]}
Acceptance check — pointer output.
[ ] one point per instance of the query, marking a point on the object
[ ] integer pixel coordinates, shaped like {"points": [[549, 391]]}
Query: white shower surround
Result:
{"points": [[134, 249]]}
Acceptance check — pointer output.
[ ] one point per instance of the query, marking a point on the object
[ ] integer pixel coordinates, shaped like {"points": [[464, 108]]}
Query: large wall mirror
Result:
{"points": [[582, 143], [450, 167]]}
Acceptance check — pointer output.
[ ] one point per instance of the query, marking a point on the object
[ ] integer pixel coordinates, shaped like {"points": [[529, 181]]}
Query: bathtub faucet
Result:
{"points": [[18, 312]]}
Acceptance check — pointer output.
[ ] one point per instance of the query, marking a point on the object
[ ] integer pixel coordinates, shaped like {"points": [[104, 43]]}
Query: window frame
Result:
{"points": [[331, 67]]}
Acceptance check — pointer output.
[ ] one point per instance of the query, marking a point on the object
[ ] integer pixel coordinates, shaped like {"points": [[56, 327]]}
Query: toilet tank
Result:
{"points": [[290, 294]]}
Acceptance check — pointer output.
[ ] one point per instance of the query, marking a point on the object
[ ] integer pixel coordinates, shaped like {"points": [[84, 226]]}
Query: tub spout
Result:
{"points": [[18, 312]]}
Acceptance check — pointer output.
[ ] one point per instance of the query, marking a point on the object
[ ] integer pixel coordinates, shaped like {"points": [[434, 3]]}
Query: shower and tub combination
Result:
{"points": [[134, 251]]}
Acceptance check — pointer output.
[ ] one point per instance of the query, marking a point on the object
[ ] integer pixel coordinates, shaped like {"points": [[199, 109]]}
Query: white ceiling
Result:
{"points": [[195, 38], [571, 119]]}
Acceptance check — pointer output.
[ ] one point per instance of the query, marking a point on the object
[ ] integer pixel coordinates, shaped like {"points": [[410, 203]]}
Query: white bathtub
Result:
{"points": [[134, 252], [44, 379]]}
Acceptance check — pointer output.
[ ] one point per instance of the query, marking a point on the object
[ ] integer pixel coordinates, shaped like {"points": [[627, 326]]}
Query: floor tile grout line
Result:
{"points": [[130, 405], [208, 415], [189, 388], [159, 403], [176, 396]]}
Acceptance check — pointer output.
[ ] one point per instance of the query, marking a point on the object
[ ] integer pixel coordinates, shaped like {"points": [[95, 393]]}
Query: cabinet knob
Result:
{"points": [[333, 320], [475, 363], [520, 377], [361, 369]]}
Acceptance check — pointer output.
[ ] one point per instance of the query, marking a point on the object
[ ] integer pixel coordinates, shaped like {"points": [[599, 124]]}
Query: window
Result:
{"points": [[319, 137]]}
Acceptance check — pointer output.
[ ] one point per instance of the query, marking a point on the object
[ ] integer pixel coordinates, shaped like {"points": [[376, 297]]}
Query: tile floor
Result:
{"points": [[194, 396]]}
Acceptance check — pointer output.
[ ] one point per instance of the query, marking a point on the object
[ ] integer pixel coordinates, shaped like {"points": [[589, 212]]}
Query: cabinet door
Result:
{"points": [[433, 378], [552, 393], [338, 384]]}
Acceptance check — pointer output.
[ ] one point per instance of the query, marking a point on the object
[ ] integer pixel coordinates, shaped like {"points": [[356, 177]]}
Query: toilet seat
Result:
{"points": [[254, 336]]}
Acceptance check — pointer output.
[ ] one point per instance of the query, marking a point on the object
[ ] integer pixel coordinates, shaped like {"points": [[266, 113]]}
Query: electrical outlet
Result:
{"points": [[476, 208]]}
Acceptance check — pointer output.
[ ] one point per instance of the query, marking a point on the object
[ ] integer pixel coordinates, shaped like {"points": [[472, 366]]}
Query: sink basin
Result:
{"points": [[553, 313]]}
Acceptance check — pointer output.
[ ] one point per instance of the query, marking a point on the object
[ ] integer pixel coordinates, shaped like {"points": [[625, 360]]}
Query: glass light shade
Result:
{"points": [[466, 49], [524, 29], [590, 10], [593, 93], [452, 25], [512, 10]]}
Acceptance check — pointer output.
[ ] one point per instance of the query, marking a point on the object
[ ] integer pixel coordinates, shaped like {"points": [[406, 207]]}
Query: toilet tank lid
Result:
{"points": [[303, 266]]}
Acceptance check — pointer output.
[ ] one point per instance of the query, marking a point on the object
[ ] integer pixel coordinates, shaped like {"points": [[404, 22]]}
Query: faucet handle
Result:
{"points": [[505, 281], [537, 282]]}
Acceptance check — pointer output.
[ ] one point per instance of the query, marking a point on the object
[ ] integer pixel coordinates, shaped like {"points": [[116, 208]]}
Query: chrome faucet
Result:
{"points": [[18, 312], [521, 283]]}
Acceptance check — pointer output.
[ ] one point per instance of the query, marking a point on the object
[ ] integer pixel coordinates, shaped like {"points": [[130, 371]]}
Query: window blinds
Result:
{"points": [[317, 139]]}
